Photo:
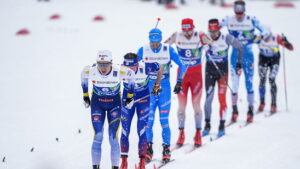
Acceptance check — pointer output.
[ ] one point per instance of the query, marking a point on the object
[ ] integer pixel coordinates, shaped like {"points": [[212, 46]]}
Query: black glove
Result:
{"points": [[178, 87], [238, 69], [286, 43], [156, 89], [87, 101], [129, 101]]}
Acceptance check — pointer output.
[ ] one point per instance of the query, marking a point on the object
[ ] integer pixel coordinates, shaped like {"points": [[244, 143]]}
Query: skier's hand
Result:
{"points": [[238, 69], [178, 87], [257, 38], [129, 101], [86, 101], [156, 89], [286, 43]]}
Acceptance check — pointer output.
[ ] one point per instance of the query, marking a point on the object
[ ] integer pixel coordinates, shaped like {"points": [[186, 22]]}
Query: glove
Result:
{"points": [[129, 101], [86, 101], [178, 87], [156, 89], [257, 38], [238, 69], [286, 43]]}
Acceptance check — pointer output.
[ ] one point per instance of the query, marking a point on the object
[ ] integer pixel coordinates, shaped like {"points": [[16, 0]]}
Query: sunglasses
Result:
{"points": [[213, 32], [103, 64], [188, 32]]}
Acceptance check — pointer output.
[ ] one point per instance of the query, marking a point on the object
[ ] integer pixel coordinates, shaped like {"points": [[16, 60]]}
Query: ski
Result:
{"points": [[245, 124], [162, 164], [176, 147], [215, 138], [231, 123], [193, 149], [153, 160]]}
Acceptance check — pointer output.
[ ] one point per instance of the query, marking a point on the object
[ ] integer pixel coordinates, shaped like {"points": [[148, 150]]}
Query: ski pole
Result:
{"points": [[158, 19], [285, 79], [219, 71]]}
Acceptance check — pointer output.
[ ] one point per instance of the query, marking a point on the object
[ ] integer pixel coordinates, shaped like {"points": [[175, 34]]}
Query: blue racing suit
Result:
{"points": [[163, 55], [244, 31], [141, 93], [106, 101]]}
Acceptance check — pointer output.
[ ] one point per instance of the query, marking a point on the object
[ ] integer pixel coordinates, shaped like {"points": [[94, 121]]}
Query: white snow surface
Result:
{"points": [[41, 96]]}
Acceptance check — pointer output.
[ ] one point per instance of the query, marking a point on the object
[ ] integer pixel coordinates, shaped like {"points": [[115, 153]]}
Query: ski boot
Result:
{"points": [[206, 128], [149, 153], [250, 115], [166, 153], [261, 108], [197, 138], [142, 163], [96, 166], [221, 128], [181, 137], [235, 113], [273, 109], [124, 163]]}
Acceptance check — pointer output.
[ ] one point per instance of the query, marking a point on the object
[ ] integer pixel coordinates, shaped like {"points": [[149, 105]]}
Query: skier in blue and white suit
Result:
{"points": [[162, 54], [242, 27], [106, 101], [136, 98]]}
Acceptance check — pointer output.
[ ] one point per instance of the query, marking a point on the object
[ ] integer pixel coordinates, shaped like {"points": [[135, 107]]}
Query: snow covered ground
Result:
{"points": [[41, 97]]}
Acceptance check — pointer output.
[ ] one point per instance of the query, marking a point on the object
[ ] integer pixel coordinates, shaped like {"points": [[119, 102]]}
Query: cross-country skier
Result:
{"points": [[136, 98], [105, 101], [189, 49], [216, 71], [162, 54], [242, 27], [269, 57]]}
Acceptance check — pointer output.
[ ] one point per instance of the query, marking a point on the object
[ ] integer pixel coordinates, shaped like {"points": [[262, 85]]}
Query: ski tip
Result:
{"points": [[154, 166]]}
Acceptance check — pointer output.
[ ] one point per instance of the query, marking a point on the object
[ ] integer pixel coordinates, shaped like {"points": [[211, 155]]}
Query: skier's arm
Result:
{"points": [[152, 67], [140, 54], [204, 39], [259, 26], [175, 57], [230, 40], [172, 39], [155, 67], [85, 86], [85, 80], [127, 73], [224, 22]]}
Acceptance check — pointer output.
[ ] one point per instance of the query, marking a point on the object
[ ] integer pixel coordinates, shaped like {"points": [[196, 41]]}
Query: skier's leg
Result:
{"points": [[272, 77], [98, 119], [153, 105], [248, 67], [164, 105], [210, 81], [222, 88], [196, 90], [113, 116], [126, 119], [263, 69], [143, 108], [235, 78], [182, 101]]}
